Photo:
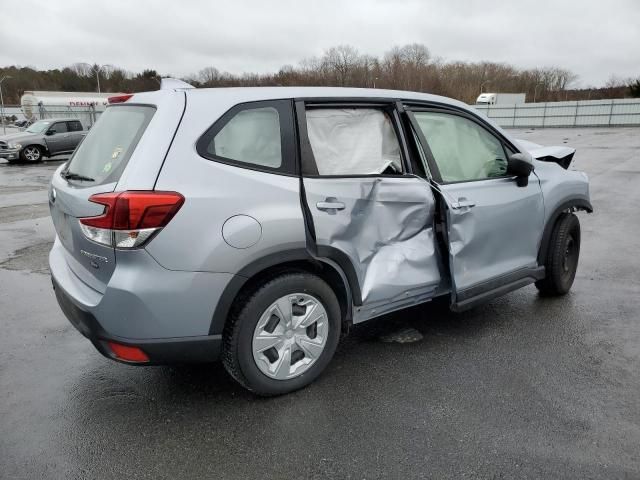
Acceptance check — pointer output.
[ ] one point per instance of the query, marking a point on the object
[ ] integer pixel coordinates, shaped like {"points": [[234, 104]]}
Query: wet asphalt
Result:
{"points": [[522, 387]]}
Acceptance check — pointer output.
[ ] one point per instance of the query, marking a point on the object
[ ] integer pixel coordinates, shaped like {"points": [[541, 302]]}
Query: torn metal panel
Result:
{"points": [[562, 155], [385, 227]]}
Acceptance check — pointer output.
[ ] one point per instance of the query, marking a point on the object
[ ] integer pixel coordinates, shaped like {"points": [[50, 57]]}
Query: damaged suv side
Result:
{"points": [[256, 224]]}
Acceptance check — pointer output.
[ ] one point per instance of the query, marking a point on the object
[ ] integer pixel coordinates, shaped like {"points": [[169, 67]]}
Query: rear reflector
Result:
{"points": [[120, 98], [130, 218], [127, 353]]}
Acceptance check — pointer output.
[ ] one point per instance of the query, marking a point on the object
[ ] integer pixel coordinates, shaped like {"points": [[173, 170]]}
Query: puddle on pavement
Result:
{"points": [[34, 258], [403, 335]]}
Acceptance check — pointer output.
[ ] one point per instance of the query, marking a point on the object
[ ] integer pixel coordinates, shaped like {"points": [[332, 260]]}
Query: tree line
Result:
{"points": [[408, 67]]}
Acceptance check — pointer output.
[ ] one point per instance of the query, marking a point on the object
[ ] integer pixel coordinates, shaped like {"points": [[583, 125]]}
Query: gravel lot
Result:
{"points": [[522, 387]]}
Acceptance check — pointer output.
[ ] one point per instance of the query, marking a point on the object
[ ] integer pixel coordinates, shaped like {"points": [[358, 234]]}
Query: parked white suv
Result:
{"points": [[256, 224]]}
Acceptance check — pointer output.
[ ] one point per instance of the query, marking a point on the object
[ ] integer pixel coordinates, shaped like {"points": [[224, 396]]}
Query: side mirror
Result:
{"points": [[521, 167], [50, 132]]}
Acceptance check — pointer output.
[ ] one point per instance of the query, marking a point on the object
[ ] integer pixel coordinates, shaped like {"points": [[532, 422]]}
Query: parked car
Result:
{"points": [[256, 224], [44, 138], [21, 123]]}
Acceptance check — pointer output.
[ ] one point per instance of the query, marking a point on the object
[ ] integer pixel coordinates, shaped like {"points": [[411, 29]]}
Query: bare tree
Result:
{"points": [[342, 60], [406, 67], [208, 76], [82, 69]]}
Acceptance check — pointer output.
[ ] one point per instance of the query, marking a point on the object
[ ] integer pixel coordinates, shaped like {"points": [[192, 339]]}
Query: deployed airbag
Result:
{"points": [[352, 141]]}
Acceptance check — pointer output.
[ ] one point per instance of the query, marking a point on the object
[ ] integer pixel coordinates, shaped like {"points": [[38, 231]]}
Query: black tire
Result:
{"points": [[562, 257], [31, 150], [237, 354]]}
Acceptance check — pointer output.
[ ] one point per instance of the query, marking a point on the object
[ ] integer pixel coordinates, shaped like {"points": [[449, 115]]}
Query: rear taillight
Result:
{"points": [[120, 98], [130, 218]]}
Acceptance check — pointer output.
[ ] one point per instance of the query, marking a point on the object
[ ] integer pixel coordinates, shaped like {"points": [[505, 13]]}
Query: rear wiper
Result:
{"points": [[76, 176]]}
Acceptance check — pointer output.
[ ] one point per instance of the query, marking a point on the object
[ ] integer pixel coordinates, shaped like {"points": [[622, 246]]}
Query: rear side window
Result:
{"points": [[256, 135], [109, 144], [74, 126], [251, 136]]}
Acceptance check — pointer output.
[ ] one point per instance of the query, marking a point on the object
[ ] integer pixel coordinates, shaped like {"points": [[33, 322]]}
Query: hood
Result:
{"points": [[16, 137], [559, 154]]}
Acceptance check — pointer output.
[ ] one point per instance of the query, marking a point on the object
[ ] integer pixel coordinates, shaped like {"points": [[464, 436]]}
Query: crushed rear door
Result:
{"points": [[365, 214]]}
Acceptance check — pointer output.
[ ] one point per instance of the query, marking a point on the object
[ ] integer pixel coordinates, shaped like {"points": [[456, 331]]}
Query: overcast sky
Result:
{"points": [[593, 38]]}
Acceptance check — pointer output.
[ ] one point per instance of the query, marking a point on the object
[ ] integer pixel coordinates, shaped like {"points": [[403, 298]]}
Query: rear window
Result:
{"points": [[105, 151]]}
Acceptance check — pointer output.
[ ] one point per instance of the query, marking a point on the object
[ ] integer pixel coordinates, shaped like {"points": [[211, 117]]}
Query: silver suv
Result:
{"points": [[256, 224], [45, 138]]}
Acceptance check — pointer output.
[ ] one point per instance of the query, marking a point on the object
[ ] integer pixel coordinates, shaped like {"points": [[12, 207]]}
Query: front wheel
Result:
{"points": [[562, 257], [283, 335], [32, 153]]}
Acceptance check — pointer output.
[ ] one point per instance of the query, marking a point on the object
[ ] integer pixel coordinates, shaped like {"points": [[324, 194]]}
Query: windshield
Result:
{"points": [[38, 127], [106, 149]]}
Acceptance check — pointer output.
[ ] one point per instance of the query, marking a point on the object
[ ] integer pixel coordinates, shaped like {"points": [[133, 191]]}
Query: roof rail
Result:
{"points": [[174, 84]]}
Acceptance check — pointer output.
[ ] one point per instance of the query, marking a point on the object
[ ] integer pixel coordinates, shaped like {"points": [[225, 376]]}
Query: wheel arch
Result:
{"points": [[44, 150], [259, 271], [571, 205]]}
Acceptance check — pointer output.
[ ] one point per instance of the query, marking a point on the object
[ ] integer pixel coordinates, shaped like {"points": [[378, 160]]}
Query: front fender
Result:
{"points": [[562, 190], [44, 145]]}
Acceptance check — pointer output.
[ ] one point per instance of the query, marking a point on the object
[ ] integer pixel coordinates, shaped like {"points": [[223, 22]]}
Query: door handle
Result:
{"points": [[463, 203], [330, 206]]}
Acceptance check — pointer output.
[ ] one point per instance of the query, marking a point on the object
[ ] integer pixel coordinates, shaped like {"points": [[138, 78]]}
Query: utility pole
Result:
{"points": [[535, 92], [482, 85], [4, 126]]}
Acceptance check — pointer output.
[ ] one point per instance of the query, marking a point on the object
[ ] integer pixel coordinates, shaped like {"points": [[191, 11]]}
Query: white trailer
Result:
{"points": [[85, 106], [500, 98]]}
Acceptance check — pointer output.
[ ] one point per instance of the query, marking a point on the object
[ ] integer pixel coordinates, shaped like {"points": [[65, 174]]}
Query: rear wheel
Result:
{"points": [[283, 335], [31, 153], [562, 257]]}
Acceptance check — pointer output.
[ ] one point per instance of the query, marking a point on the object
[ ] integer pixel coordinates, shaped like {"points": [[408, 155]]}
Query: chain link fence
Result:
{"points": [[16, 114], [624, 112]]}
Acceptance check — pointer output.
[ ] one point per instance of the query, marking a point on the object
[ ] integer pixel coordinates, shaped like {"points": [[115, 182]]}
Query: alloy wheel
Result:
{"points": [[32, 154]]}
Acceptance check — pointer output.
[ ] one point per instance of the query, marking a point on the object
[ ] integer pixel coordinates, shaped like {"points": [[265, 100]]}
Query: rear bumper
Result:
{"points": [[161, 351], [141, 300]]}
